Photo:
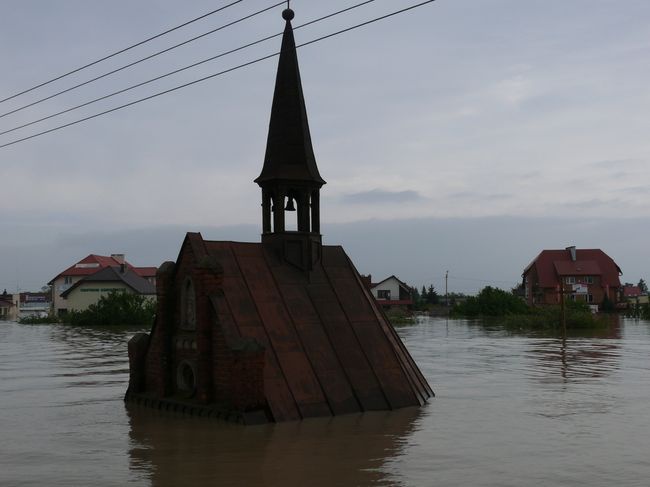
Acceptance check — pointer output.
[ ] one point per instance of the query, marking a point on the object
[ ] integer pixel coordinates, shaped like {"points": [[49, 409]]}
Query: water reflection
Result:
{"points": [[348, 450], [574, 359]]}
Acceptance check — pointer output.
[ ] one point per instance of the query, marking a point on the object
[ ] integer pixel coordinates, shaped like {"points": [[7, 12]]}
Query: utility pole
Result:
{"points": [[562, 310], [446, 292]]}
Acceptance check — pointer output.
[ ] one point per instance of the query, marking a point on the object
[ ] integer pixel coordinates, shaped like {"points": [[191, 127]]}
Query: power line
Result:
{"points": [[481, 280], [214, 75], [146, 58], [475, 279], [176, 71], [76, 70]]}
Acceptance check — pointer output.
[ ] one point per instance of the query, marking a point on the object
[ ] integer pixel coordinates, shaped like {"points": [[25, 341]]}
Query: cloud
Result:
{"points": [[513, 90], [468, 195], [615, 163], [642, 190], [593, 203], [382, 196]]}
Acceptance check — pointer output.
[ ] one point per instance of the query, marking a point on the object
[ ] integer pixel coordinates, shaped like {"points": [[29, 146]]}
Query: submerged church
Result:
{"points": [[279, 330]]}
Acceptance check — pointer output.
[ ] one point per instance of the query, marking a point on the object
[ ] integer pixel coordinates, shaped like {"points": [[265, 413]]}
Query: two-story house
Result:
{"points": [[86, 267], [392, 292], [581, 274]]}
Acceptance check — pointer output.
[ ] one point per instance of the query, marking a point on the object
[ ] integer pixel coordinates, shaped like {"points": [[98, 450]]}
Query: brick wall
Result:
{"points": [[228, 369]]}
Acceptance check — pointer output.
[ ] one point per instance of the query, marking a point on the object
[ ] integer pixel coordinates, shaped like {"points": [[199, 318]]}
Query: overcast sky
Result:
{"points": [[477, 131]]}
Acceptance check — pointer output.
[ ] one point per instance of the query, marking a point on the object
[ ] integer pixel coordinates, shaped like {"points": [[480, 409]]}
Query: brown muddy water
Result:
{"points": [[511, 410]]}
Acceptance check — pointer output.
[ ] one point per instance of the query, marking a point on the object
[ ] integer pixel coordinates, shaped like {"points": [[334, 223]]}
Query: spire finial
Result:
{"points": [[288, 14]]}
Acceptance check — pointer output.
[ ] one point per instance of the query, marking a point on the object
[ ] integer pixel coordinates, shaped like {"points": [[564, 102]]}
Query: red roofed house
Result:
{"points": [[392, 292], [634, 294], [632, 291], [87, 267], [586, 274]]}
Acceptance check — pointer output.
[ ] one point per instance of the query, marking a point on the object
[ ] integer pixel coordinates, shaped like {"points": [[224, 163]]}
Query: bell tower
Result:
{"points": [[290, 180]]}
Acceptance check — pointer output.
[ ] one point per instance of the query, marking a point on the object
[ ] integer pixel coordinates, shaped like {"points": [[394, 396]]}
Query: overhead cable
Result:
{"points": [[76, 70], [138, 61], [176, 71], [214, 75]]}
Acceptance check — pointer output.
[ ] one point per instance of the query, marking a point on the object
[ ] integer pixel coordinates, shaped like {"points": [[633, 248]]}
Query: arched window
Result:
{"points": [[188, 306]]}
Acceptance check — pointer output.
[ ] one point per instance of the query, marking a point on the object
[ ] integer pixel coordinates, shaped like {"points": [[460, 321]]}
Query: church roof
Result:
{"points": [[289, 152], [330, 350]]}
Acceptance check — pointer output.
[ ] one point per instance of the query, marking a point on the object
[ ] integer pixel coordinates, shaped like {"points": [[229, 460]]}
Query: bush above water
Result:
{"points": [[490, 302], [116, 308], [513, 311]]}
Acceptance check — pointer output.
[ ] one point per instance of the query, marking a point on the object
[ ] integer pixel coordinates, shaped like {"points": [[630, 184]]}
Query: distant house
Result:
{"points": [[631, 291], [582, 274], [634, 294], [87, 267], [35, 304], [90, 289], [392, 292], [8, 306]]}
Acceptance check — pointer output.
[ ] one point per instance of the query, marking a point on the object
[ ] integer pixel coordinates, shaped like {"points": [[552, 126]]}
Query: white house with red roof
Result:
{"points": [[392, 292], [588, 275], [78, 273]]}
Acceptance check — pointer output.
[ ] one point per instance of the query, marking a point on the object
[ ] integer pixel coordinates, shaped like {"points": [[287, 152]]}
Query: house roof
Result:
{"points": [[632, 291], [6, 298], [114, 274], [577, 268], [145, 271], [93, 262], [330, 349], [401, 283], [550, 264]]}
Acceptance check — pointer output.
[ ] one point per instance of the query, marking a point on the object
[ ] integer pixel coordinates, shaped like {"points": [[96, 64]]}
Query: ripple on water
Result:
{"points": [[510, 410]]}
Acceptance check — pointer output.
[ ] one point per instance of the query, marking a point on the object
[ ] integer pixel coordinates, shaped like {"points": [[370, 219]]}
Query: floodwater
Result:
{"points": [[511, 410]]}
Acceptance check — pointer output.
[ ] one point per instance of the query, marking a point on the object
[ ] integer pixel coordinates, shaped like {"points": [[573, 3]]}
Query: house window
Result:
{"points": [[383, 294], [590, 298], [67, 280], [570, 279], [589, 279]]}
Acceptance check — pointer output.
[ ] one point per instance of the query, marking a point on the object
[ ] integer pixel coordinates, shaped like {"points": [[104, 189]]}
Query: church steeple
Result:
{"points": [[290, 180], [290, 177], [289, 152]]}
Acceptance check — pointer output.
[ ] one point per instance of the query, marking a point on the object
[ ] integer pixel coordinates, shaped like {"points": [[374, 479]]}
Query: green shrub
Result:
{"points": [[491, 302], [514, 312], [116, 308], [399, 316]]}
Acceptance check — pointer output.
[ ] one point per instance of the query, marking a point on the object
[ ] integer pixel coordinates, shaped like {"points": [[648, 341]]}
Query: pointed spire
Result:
{"points": [[289, 152]]}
